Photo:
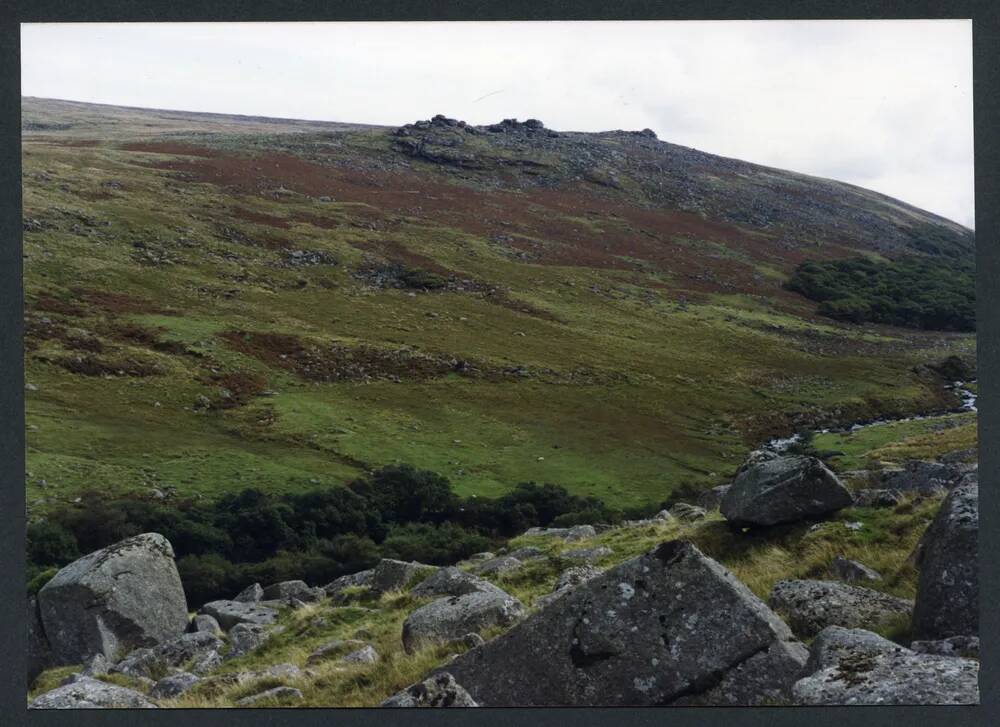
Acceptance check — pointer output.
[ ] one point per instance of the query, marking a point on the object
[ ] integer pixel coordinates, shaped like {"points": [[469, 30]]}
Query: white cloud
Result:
{"points": [[882, 104]]}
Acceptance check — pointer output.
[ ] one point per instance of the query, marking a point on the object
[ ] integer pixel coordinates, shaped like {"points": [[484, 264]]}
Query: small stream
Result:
{"points": [[780, 444]]}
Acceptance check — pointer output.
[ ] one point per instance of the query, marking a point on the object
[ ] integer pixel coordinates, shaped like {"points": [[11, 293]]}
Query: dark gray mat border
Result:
{"points": [[13, 641]]}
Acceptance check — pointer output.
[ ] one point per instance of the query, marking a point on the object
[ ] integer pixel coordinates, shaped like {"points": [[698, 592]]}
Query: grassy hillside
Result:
{"points": [[217, 302]]}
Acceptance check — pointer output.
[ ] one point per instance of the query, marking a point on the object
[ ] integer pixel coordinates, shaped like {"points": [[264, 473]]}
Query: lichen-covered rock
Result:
{"points": [[251, 594], [577, 532], [810, 606], [206, 623], [277, 694], [292, 589], [587, 555], [230, 613], [246, 637], [452, 581], [886, 676], [967, 646], [365, 655], [335, 589], [496, 566], [87, 693], [396, 575], [567, 581], [450, 618], [851, 571], [527, 553], [118, 598], [147, 662], [440, 690], [660, 627], [926, 478], [948, 589], [173, 685], [836, 642], [783, 489]]}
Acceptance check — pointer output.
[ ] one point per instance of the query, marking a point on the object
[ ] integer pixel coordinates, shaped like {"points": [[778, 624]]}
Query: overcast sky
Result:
{"points": [[883, 104]]}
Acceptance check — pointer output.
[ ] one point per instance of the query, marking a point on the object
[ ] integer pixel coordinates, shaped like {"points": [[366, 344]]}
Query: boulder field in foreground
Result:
{"points": [[125, 596], [668, 627], [781, 490]]}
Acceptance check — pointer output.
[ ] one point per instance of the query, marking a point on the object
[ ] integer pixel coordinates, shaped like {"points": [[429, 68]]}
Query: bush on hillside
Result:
{"points": [[914, 292]]}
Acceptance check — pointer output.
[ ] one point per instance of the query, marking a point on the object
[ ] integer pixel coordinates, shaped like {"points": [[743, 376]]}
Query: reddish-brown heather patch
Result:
{"points": [[259, 218], [118, 302], [51, 304]]}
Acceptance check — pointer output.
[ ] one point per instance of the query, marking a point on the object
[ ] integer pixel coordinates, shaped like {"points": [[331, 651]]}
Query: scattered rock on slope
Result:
{"points": [[336, 588], [948, 589], [665, 626], [810, 606], [784, 489], [115, 599]]}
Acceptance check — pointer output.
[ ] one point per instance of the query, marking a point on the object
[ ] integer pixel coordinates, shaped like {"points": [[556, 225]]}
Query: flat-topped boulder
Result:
{"points": [[810, 606], [947, 601], [113, 600], [669, 625], [783, 489]]}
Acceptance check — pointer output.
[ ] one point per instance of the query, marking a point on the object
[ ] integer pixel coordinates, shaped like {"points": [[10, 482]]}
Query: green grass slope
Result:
{"points": [[217, 302]]}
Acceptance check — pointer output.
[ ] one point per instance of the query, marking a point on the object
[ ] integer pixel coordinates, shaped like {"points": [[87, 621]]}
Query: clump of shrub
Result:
{"points": [[318, 535], [936, 293]]}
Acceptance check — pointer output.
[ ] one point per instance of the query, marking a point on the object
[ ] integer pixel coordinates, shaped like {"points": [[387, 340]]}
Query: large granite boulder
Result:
{"points": [[439, 690], [948, 559], [230, 613], [783, 489], [856, 667], [449, 619], [87, 693], [810, 606], [663, 627], [124, 596]]}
